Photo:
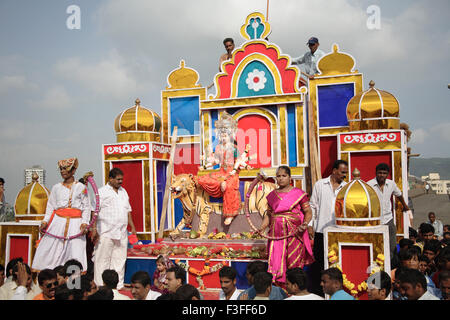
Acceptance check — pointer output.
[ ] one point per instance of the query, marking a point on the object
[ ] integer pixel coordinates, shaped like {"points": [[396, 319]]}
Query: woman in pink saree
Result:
{"points": [[287, 218]]}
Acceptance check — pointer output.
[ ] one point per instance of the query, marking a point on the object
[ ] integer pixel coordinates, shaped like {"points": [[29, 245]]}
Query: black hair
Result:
{"points": [[431, 212], [261, 281], [62, 292], [60, 270], [382, 166], [179, 272], [115, 172], [399, 271], [408, 254], [110, 278], [46, 274], [334, 274], [2, 267], [413, 277], [426, 228], [447, 226], [337, 163], [2, 180], [10, 265], [228, 272], [406, 243], [285, 168], [228, 40], [16, 269], [385, 281], [187, 292], [141, 277], [297, 276], [85, 286], [445, 233], [256, 266], [424, 258], [104, 293], [432, 245], [168, 296], [72, 262], [412, 233]]}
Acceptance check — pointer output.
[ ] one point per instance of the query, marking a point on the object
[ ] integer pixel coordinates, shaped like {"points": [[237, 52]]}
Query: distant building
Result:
{"points": [[29, 173], [437, 185]]}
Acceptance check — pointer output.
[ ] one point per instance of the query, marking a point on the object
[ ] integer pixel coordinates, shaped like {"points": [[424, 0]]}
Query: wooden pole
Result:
{"points": [[314, 153], [168, 182], [267, 11]]}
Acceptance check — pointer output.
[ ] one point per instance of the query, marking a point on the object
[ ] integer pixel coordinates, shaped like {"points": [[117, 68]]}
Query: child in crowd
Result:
{"points": [[423, 264], [409, 258], [163, 263]]}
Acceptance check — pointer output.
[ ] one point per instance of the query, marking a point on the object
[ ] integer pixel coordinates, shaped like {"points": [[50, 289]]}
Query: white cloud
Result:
{"points": [[108, 77], [419, 136], [15, 83], [55, 98], [442, 130], [11, 129]]}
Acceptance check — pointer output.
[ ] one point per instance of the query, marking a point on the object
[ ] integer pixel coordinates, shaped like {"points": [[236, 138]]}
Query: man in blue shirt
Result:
{"points": [[333, 284], [253, 268]]}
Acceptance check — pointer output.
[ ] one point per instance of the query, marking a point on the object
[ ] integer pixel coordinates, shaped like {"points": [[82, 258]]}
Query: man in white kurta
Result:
{"points": [[52, 252], [111, 227]]}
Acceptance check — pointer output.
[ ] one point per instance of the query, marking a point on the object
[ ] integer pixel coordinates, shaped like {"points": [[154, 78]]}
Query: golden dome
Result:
{"points": [[373, 109], [137, 124], [183, 78], [357, 204], [336, 63], [31, 201]]}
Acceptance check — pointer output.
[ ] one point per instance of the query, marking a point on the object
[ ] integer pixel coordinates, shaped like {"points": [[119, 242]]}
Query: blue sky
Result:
{"points": [[61, 89]]}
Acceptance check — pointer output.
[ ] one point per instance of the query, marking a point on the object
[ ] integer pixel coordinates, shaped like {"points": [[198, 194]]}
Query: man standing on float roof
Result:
{"points": [[310, 58], [229, 46]]}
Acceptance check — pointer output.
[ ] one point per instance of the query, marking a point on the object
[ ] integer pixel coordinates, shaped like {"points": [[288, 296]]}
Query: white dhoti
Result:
{"points": [[110, 254], [52, 252]]}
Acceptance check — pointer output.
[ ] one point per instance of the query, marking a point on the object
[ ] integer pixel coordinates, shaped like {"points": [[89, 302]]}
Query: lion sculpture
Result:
{"points": [[194, 201]]}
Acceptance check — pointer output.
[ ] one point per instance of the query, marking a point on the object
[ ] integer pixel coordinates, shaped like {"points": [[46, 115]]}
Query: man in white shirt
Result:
{"points": [[437, 225], [309, 60], [20, 286], [322, 203], [385, 188], [414, 284], [227, 276], [111, 279], [140, 287], [111, 228], [296, 286]]}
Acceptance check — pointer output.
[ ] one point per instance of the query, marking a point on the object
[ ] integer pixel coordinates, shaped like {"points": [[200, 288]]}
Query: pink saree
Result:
{"points": [[286, 217]]}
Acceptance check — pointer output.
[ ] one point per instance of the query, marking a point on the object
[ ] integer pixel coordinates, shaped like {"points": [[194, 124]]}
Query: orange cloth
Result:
{"points": [[231, 196], [68, 213], [40, 296]]}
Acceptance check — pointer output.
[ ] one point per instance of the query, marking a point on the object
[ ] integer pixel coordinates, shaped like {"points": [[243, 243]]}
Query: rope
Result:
{"points": [[247, 214]]}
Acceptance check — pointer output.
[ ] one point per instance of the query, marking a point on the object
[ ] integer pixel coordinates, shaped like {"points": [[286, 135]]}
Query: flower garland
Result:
{"points": [[362, 287], [199, 273]]}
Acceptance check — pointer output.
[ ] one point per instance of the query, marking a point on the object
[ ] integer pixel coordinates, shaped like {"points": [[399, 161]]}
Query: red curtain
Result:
{"points": [[355, 262], [255, 130], [18, 248], [328, 154], [132, 182], [366, 162]]}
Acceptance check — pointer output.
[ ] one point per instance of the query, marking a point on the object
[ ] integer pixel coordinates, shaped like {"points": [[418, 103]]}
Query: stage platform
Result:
{"points": [[194, 253]]}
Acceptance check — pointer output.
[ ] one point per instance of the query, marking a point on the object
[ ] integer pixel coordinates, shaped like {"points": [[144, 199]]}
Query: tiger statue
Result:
{"points": [[194, 201]]}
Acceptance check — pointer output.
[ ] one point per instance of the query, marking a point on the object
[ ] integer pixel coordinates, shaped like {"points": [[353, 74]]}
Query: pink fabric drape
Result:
{"points": [[287, 216]]}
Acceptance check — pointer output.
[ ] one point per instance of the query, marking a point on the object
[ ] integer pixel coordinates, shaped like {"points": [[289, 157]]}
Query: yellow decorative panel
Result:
{"points": [[396, 145]]}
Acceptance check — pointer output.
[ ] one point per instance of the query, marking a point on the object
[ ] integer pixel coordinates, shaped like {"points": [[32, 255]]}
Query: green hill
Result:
{"points": [[422, 167]]}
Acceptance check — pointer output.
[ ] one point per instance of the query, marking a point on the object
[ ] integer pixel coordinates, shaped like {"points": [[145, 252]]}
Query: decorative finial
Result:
{"points": [[182, 64], [335, 48], [371, 84], [356, 174], [138, 102], [35, 177]]}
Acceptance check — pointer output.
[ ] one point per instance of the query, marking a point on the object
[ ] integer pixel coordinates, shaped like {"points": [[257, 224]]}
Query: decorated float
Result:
{"points": [[189, 172]]}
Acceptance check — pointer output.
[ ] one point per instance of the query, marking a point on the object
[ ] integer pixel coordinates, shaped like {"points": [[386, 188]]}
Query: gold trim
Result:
{"points": [[397, 171], [332, 131], [146, 186], [137, 136], [300, 134], [282, 110], [252, 101], [371, 146], [32, 230], [127, 156]]}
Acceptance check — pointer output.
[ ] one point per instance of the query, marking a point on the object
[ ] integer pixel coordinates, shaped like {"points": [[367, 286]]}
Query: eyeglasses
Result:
{"points": [[52, 284]]}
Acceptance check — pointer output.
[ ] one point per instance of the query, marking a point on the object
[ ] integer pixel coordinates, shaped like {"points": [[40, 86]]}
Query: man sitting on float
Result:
{"points": [[225, 182]]}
